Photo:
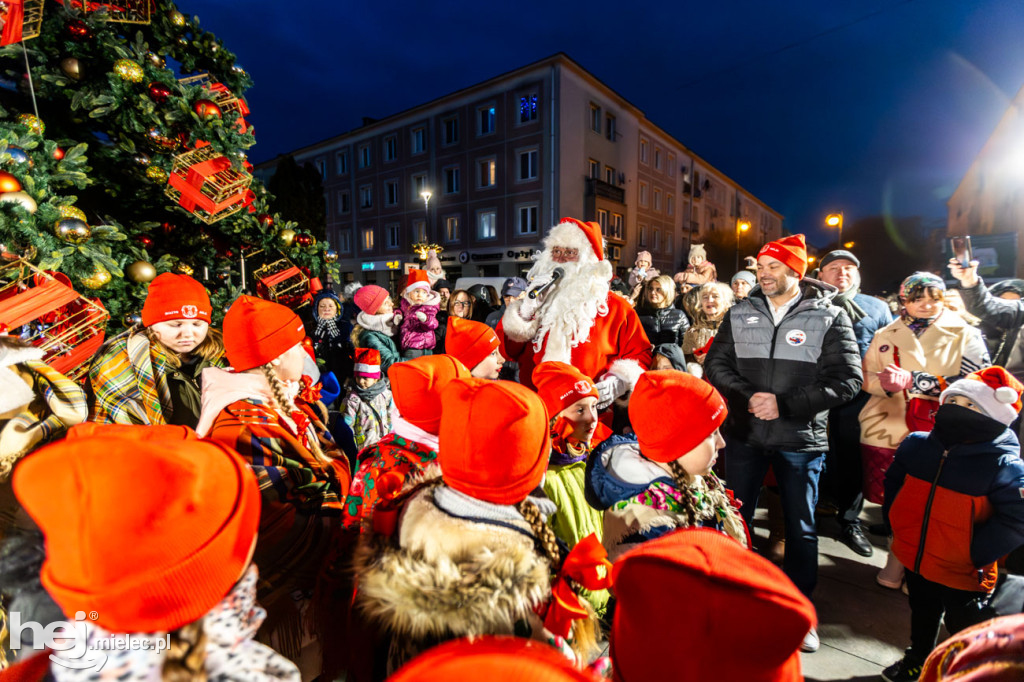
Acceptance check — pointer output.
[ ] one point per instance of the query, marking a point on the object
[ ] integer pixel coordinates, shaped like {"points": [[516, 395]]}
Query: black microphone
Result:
{"points": [[556, 274]]}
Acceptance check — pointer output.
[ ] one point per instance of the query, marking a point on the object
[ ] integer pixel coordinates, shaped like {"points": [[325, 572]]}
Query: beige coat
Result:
{"points": [[938, 351]]}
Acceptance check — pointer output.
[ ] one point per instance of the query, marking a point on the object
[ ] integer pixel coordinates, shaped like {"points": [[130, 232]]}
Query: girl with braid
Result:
{"points": [[303, 477], [165, 561], [661, 478], [470, 553]]}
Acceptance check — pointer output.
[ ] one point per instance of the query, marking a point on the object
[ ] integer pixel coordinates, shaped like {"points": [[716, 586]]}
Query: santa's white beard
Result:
{"points": [[565, 313]]}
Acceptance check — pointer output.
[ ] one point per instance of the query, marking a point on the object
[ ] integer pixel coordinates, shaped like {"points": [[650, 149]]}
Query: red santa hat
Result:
{"points": [[676, 618], [576, 234], [367, 363], [791, 251], [993, 389], [416, 279], [491, 657]]}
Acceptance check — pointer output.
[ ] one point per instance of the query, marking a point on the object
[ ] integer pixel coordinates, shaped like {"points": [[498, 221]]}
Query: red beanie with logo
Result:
{"points": [[791, 251], [175, 297], [669, 391], [560, 385], [468, 341], [416, 387], [257, 331], [494, 441]]}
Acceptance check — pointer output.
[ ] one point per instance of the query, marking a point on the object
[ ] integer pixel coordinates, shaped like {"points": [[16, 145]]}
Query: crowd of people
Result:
{"points": [[450, 484]]}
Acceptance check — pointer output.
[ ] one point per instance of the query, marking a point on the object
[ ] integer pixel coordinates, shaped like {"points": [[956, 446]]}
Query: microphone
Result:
{"points": [[556, 274]]}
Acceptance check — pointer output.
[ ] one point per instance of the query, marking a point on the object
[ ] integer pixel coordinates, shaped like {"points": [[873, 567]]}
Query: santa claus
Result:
{"points": [[571, 316]]}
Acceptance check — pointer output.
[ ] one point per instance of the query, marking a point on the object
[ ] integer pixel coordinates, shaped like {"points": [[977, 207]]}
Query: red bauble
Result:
{"points": [[9, 183], [229, 254], [304, 239], [205, 107], [159, 92], [78, 29], [168, 227], [146, 241], [266, 220], [58, 153]]}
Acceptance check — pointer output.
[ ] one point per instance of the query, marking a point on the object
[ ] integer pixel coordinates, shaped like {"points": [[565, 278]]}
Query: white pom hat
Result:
{"points": [[993, 389]]}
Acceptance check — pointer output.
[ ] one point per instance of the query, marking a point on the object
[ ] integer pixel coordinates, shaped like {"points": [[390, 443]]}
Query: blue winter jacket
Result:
{"points": [[878, 317]]}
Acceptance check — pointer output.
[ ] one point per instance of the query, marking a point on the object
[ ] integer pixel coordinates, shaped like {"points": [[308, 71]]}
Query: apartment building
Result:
{"points": [[485, 171]]}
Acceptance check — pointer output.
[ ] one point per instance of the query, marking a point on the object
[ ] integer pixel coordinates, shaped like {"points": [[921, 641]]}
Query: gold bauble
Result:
{"points": [[140, 271], [71, 67], [72, 231], [156, 60], [24, 199], [129, 70], [72, 212], [156, 174], [183, 268], [286, 237], [99, 278], [177, 18], [35, 126]]}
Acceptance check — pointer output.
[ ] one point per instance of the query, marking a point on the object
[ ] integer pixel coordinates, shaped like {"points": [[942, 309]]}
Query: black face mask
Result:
{"points": [[955, 424]]}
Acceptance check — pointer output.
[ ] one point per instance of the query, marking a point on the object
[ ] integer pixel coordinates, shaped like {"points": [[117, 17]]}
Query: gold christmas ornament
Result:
{"points": [[72, 231], [286, 237], [34, 125], [129, 70], [156, 60], [177, 18], [140, 271], [22, 198], [156, 174], [71, 68], [183, 268], [99, 278], [72, 212]]}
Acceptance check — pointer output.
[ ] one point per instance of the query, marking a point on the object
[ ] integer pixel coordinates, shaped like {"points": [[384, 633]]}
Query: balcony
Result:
{"points": [[600, 188]]}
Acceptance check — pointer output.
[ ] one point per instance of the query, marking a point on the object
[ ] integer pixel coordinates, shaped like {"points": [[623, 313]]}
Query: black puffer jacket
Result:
{"points": [[810, 361], [664, 325]]}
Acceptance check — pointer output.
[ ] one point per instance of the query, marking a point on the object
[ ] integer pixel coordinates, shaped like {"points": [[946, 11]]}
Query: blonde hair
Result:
{"points": [[186, 655], [285, 404], [668, 288], [716, 508], [211, 349], [544, 534], [724, 292]]}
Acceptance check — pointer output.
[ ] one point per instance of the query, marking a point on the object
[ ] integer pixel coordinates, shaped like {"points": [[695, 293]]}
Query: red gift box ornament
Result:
{"points": [[20, 20], [205, 184], [226, 100]]}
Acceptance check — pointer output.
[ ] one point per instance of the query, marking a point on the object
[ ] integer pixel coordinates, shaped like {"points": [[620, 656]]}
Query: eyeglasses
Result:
{"points": [[460, 304], [559, 252]]}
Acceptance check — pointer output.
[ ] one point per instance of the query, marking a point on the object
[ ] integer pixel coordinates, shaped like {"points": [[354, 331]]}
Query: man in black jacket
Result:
{"points": [[783, 358]]}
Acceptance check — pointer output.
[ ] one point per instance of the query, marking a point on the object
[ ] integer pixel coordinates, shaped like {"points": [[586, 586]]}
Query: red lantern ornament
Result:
{"points": [[146, 241], [205, 108], [159, 93], [9, 183], [58, 154], [266, 220], [78, 30]]}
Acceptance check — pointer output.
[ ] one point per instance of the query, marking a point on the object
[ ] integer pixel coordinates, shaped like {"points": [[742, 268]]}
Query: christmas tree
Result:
{"points": [[123, 145]]}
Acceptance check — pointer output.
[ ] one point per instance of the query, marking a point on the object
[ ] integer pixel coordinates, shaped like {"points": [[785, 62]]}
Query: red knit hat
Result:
{"points": [[993, 389], [791, 251], [498, 659], [559, 385], [257, 331], [678, 614], [668, 391], [416, 279], [370, 298], [992, 651], [416, 387], [148, 534], [367, 363], [567, 231], [468, 341], [175, 297], [494, 440]]}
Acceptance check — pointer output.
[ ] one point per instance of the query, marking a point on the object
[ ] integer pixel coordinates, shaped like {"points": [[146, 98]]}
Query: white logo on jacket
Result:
{"points": [[796, 337], [753, 319]]}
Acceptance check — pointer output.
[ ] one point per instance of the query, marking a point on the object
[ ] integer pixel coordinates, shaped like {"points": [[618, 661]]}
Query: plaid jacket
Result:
{"points": [[128, 382]]}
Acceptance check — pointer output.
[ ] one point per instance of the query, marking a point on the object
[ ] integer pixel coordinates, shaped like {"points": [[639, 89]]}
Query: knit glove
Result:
{"points": [[894, 379], [608, 389], [397, 319], [421, 316]]}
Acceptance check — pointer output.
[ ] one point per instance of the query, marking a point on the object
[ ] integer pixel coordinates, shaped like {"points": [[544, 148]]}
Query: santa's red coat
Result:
{"points": [[618, 335]]}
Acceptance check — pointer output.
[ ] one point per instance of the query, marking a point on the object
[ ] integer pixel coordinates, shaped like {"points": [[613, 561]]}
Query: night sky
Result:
{"points": [[867, 106]]}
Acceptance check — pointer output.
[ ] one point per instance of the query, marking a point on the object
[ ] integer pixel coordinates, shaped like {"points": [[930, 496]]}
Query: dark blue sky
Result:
{"points": [[882, 114]]}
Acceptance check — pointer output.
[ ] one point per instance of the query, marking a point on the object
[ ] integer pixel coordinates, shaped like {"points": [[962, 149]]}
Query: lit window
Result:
{"points": [[487, 173], [528, 108], [487, 224], [451, 229], [367, 239], [485, 120]]}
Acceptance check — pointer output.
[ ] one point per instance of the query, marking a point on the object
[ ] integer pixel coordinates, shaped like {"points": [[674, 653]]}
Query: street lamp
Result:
{"points": [[848, 245], [836, 220], [426, 213], [741, 226]]}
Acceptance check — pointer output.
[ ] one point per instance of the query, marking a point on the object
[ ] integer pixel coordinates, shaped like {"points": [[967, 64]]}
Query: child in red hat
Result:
{"points": [[660, 478], [150, 374], [376, 324], [953, 498], [369, 404], [418, 312], [256, 409], [475, 345], [470, 553]]}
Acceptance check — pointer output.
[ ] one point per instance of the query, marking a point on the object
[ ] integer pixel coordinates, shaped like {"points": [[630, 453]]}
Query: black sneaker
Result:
{"points": [[902, 671], [852, 536]]}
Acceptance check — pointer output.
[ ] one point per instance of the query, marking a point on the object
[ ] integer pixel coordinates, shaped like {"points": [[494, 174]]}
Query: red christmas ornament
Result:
{"points": [[266, 220], [146, 241], [58, 153], [78, 29], [304, 239], [159, 92], [9, 183], [168, 227], [205, 107], [229, 254]]}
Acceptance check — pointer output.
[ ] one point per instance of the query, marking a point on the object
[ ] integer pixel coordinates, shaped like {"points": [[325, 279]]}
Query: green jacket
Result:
{"points": [[185, 387], [383, 344]]}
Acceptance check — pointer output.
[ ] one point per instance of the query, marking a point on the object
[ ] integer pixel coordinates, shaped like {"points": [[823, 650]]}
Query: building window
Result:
{"points": [[657, 199], [392, 230], [657, 159], [595, 169], [642, 234], [670, 204], [486, 173], [644, 150], [451, 130], [451, 180], [528, 108], [644, 199], [451, 228], [617, 225], [487, 224], [343, 202], [485, 120], [364, 156], [341, 160], [595, 118], [528, 164], [419, 231], [656, 242], [609, 175], [419, 140], [345, 241], [367, 239], [390, 148], [419, 183], [391, 193], [609, 127], [321, 168], [366, 196], [527, 219], [602, 220], [671, 165]]}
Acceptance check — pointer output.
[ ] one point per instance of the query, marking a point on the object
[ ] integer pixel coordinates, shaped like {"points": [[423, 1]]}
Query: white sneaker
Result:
{"points": [[811, 642]]}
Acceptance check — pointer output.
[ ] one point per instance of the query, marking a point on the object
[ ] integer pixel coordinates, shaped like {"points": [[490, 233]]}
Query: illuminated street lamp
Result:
{"points": [[848, 245], [836, 220], [741, 226], [426, 194]]}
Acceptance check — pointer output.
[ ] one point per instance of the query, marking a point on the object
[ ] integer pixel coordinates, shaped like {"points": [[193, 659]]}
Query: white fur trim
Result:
{"points": [[570, 235], [984, 397], [1006, 395], [14, 392], [369, 369], [629, 371], [12, 356], [416, 285], [695, 369]]}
